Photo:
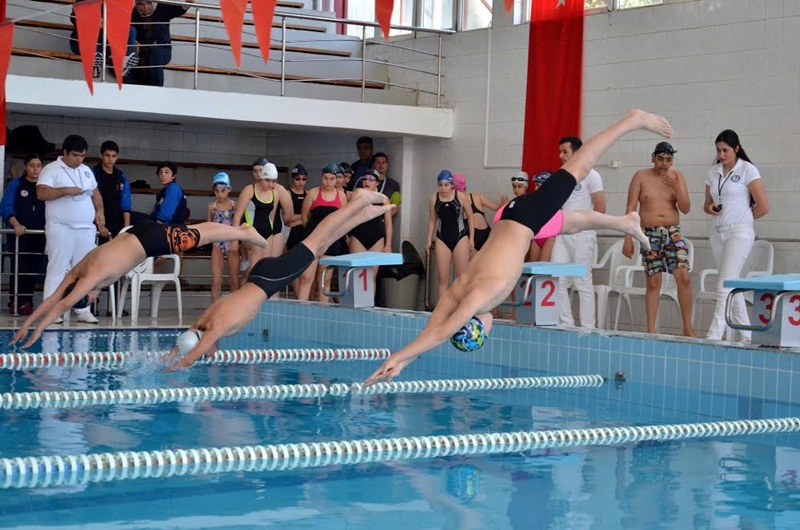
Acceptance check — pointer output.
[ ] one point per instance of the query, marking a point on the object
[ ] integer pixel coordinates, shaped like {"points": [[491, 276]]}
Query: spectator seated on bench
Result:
{"points": [[358, 291]]}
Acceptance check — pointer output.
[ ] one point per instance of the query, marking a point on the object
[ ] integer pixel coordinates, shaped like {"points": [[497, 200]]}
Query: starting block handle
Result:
{"points": [[347, 276], [773, 312], [526, 292]]}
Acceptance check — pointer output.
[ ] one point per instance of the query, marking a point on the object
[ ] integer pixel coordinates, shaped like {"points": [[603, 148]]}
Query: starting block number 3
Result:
{"points": [[785, 330], [764, 308], [540, 307]]}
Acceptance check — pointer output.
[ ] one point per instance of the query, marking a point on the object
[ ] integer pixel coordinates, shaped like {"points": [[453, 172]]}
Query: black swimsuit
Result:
{"points": [[273, 274], [369, 233], [298, 233], [534, 210], [160, 240], [451, 221], [481, 234]]}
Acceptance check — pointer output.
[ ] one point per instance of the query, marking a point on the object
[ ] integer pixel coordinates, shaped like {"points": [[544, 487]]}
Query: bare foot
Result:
{"points": [[688, 333], [634, 228], [251, 235], [652, 122]]}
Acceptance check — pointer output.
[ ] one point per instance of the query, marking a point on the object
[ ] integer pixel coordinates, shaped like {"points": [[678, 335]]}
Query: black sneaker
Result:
{"points": [[97, 68], [131, 61]]}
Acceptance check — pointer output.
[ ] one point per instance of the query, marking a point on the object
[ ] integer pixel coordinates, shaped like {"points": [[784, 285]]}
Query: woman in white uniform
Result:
{"points": [[735, 196]]}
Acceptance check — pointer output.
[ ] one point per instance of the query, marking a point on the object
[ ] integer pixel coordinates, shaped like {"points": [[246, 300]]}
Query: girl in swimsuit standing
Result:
{"points": [[478, 203], [221, 211], [376, 234], [454, 237]]}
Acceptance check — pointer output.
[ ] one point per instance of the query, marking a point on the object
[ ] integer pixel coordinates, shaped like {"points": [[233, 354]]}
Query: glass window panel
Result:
{"points": [[437, 14], [629, 4], [477, 14], [597, 4]]}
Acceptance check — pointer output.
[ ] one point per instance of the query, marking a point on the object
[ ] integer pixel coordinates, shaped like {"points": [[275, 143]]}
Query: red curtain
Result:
{"points": [[263, 12], [118, 26], [233, 17], [555, 68], [87, 21], [383, 12], [6, 39]]}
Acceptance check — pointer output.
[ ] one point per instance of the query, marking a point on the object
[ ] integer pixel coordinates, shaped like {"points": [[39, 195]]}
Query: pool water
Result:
{"points": [[741, 482]]}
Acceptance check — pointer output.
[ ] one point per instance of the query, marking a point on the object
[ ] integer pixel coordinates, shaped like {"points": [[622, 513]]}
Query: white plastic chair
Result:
{"points": [[144, 273], [669, 288], [614, 259], [760, 262]]}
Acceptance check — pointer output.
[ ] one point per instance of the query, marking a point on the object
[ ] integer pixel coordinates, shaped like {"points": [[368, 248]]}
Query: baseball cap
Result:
{"points": [[445, 176], [520, 177], [331, 168], [664, 147], [459, 182], [222, 178], [540, 178], [269, 171], [299, 170], [261, 161]]}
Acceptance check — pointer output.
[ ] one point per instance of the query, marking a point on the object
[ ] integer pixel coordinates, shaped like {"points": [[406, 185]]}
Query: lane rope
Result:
{"points": [[43, 471], [152, 396], [119, 359]]}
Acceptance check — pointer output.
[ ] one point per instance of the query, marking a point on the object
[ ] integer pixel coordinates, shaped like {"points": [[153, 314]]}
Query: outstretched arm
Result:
{"points": [[225, 317]]}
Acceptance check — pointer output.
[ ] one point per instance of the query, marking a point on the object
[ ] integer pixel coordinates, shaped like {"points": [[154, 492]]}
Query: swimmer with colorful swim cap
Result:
{"points": [[463, 313]]}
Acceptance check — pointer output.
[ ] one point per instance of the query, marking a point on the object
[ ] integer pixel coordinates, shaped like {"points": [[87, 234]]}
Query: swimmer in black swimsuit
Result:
{"points": [[231, 313], [495, 270], [107, 263]]}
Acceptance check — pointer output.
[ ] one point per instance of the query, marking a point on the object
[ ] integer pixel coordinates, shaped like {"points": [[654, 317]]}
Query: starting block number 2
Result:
{"points": [[540, 307]]}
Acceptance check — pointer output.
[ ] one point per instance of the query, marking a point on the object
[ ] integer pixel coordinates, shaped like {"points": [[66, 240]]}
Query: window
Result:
{"points": [[437, 14], [522, 8], [629, 4], [476, 14]]}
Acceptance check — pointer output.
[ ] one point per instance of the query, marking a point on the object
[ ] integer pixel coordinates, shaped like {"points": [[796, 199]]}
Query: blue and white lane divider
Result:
{"points": [[118, 359], [43, 471], [151, 396]]}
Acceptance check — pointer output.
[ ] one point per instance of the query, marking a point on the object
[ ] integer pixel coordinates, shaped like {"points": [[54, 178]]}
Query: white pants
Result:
{"points": [[576, 248], [65, 247], [730, 249]]}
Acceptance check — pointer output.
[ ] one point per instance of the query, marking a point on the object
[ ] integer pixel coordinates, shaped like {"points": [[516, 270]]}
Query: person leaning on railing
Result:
{"points": [[152, 23], [23, 211]]}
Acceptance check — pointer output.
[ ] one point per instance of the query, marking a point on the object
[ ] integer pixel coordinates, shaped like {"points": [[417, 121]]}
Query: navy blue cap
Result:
{"points": [[331, 168]]}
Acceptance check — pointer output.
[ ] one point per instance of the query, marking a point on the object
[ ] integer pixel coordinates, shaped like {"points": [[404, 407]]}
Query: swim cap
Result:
{"points": [[262, 161], [188, 340], [459, 182], [520, 177], [540, 178], [269, 171], [299, 170], [470, 337], [331, 168], [445, 176], [222, 178]]}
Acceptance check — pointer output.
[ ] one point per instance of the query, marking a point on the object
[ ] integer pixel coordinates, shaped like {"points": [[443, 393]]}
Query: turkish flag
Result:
{"points": [[555, 68], [87, 22], [233, 17], [383, 12], [118, 26], [263, 12], [6, 39]]}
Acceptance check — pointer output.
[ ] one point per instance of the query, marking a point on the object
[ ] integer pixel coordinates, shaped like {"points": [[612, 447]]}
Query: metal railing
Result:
{"points": [[15, 261], [284, 51]]}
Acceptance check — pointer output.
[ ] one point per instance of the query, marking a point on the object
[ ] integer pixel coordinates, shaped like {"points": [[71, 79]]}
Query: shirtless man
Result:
{"points": [[662, 195], [269, 275], [107, 263], [493, 273]]}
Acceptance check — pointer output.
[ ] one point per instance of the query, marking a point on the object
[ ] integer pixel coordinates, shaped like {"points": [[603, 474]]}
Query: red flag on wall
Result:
{"points": [[233, 17], [263, 12], [87, 22], [555, 68], [118, 26], [383, 12], [6, 40]]}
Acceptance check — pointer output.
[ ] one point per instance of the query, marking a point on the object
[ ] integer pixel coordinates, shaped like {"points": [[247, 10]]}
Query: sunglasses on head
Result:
{"points": [[220, 187], [519, 179]]}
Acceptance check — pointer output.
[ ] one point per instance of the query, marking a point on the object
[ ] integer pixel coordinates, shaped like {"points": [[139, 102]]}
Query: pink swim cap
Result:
{"points": [[459, 182]]}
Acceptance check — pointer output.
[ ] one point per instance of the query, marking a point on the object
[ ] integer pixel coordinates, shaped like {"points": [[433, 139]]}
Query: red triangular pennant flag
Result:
{"points": [[233, 17], [509, 5], [383, 12], [263, 12], [118, 26], [87, 22], [6, 40]]}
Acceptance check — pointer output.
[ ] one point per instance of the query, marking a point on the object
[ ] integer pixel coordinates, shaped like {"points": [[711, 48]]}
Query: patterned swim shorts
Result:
{"points": [[667, 250]]}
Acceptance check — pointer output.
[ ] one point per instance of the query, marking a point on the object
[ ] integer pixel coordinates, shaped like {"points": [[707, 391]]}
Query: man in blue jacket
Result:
{"points": [[114, 189]]}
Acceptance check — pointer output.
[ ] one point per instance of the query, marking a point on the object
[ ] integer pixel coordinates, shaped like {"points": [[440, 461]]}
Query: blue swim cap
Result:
{"points": [[542, 177], [470, 337], [222, 178], [445, 176]]}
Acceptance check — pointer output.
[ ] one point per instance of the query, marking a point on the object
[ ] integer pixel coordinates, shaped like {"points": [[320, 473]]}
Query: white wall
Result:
{"points": [[708, 65]]}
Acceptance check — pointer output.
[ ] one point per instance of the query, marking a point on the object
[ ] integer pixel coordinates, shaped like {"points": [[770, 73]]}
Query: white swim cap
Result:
{"points": [[188, 340]]}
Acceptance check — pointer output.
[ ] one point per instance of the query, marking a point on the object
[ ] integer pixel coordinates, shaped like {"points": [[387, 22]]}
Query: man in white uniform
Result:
{"points": [[73, 208], [580, 247]]}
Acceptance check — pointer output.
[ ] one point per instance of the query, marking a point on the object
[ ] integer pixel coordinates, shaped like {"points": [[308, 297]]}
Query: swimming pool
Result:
{"points": [[730, 482]]}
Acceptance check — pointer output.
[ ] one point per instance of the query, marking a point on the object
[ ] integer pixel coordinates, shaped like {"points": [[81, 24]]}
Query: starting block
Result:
{"points": [[536, 292], [776, 308], [358, 291]]}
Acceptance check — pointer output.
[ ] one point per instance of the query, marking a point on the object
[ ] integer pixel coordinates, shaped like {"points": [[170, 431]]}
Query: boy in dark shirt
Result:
{"points": [[114, 188], [151, 21]]}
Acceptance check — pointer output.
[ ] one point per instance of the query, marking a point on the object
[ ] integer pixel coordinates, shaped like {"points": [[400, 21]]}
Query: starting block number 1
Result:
{"points": [[785, 330], [540, 307]]}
